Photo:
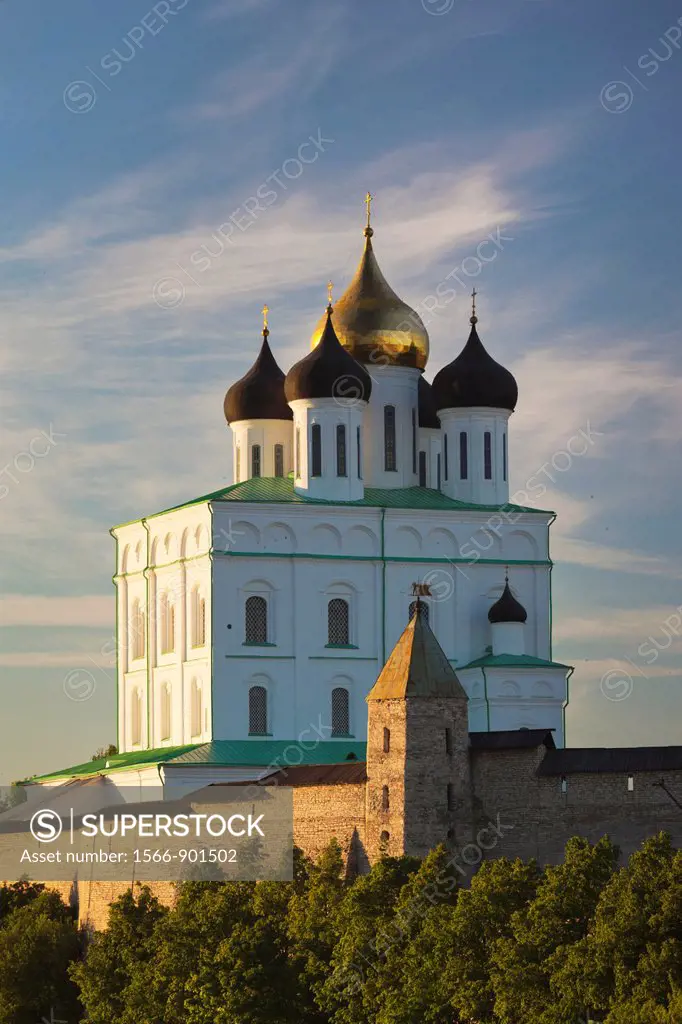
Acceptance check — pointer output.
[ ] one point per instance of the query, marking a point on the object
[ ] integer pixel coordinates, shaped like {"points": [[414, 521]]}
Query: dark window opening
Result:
{"points": [[258, 711], [256, 620], [387, 740], [438, 472], [316, 453], [390, 460], [422, 469], [359, 439], [448, 740], [487, 456], [279, 460], [445, 456], [341, 450], [450, 797], [384, 798], [255, 460], [414, 441], [298, 452], [504, 457], [463, 455], [340, 712], [338, 631]]}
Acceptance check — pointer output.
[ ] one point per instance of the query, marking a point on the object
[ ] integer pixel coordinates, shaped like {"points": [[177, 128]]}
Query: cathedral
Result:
{"points": [[363, 615]]}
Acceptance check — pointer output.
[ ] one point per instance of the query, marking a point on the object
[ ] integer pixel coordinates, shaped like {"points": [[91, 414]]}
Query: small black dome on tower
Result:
{"points": [[329, 371], [259, 394], [428, 417], [474, 378], [507, 608]]}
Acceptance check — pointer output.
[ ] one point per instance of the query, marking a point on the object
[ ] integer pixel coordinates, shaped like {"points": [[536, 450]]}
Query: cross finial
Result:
{"points": [[368, 203], [506, 574], [473, 319], [330, 290], [266, 310]]}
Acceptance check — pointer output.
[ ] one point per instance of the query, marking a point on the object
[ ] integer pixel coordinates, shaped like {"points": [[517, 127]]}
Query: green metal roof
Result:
{"points": [[221, 753], [281, 490], [510, 660]]}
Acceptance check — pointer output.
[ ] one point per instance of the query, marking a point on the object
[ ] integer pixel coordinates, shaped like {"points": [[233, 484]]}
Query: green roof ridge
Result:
{"points": [[281, 490], [491, 660]]}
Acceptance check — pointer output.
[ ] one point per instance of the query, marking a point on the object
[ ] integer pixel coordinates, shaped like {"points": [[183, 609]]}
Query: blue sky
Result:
{"points": [[131, 134]]}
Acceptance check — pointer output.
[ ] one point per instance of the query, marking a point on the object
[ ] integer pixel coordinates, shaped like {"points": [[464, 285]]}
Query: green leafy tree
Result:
{"points": [[17, 894], [114, 957], [38, 942], [628, 968], [522, 965]]}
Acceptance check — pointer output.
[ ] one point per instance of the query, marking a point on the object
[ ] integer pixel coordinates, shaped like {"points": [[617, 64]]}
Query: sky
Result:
{"points": [[134, 135]]}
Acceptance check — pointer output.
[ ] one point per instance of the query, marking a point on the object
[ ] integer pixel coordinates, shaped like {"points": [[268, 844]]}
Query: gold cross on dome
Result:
{"points": [[266, 310], [330, 289], [368, 203], [474, 293]]}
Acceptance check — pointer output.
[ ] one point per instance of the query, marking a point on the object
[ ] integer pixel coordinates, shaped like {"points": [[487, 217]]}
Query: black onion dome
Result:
{"points": [[428, 417], [329, 371], [507, 608], [259, 394], [474, 378]]}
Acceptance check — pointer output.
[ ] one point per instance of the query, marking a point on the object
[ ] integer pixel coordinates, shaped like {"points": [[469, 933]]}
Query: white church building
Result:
{"points": [[266, 610]]}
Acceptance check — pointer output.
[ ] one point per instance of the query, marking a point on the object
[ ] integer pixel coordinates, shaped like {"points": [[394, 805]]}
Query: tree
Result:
{"points": [[17, 894], [628, 968], [114, 956], [38, 942], [523, 964], [105, 752]]}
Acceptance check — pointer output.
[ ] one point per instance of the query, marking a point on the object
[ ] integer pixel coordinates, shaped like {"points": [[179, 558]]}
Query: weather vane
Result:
{"points": [[266, 310]]}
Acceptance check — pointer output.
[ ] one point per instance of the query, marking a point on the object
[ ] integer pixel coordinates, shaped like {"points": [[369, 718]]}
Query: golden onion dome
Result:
{"points": [[372, 322]]}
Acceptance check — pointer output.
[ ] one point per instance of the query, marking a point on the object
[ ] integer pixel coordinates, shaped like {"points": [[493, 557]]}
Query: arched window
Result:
{"points": [[422, 469], [198, 618], [258, 711], [359, 441], [165, 711], [341, 450], [167, 624], [316, 450], [463, 455], [298, 453], [413, 608], [238, 463], [487, 456], [137, 631], [390, 461], [136, 717], [385, 802], [450, 796], [255, 460], [340, 712], [387, 740], [256, 620], [195, 709], [338, 628], [448, 740], [279, 460]]}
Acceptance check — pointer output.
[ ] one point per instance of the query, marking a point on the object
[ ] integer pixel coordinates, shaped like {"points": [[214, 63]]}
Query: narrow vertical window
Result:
{"points": [[450, 797], [631, 783], [359, 438], [137, 631], [448, 740], [340, 712], [385, 802], [195, 709], [338, 633], [341, 450], [387, 740], [390, 462], [166, 711], [198, 618], [298, 452], [445, 456], [422, 469], [238, 459], [487, 456], [279, 460], [258, 711], [438, 471], [316, 450], [463, 455], [136, 718], [414, 440], [255, 460], [167, 625], [504, 457], [256, 620]]}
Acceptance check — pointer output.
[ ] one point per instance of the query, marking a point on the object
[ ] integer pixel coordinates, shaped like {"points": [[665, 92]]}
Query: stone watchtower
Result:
{"points": [[418, 774]]}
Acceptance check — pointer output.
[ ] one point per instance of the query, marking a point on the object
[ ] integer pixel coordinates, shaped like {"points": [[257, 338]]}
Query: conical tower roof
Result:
{"points": [[417, 666]]}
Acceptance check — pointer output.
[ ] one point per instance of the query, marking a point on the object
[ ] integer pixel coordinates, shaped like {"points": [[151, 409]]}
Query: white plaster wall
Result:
{"points": [[266, 433], [476, 421], [397, 386]]}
